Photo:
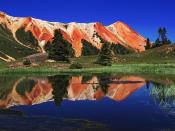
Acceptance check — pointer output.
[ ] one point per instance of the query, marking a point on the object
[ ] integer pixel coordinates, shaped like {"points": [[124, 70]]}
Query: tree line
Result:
{"points": [[161, 40]]}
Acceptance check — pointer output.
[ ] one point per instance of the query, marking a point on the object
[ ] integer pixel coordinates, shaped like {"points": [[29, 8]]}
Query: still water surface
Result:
{"points": [[86, 103]]}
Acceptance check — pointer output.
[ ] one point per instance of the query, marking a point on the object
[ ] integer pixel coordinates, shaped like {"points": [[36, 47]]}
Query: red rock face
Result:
{"points": [[106, 34], [76, 36], [45, 35], [129, 36], [39, 33], [126, 86], [2, 15], [44, 31]]}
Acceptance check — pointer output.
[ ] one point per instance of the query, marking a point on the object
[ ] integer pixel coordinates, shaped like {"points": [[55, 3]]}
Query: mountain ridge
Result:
{"points": [[74, 33]]}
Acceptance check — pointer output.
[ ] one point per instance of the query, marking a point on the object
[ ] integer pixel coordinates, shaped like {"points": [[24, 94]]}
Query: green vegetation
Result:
{"points": [[27, 38], [148, 44], [160, 55], [24, 86], [105, 55], [27, 62], [9, 46], [76, 65], [59, 49], [164, 94], [162, 39], [88, 49], [119, 49], [160, 60], [59, 84], [104, 81]]}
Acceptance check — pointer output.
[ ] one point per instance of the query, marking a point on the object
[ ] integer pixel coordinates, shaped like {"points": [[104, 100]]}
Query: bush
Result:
{"points": [[27, 62], [76, 66]]}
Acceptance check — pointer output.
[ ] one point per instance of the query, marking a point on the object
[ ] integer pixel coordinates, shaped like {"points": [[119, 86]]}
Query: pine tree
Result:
{"points": [[59, 49], [157, 43], [105, 55], [163, 37], [147, 44], [88, 48], [119, 49]]}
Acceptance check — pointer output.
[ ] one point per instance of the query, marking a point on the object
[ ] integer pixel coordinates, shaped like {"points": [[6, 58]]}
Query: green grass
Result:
{"points": [[164, 69], [160, 55]]}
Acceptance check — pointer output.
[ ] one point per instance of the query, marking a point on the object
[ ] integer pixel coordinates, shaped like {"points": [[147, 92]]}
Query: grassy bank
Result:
{"points": [[167, 69]]}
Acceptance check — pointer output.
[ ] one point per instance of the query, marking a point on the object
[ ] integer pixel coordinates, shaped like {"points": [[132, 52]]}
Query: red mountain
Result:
{"points": [[118, 33]]}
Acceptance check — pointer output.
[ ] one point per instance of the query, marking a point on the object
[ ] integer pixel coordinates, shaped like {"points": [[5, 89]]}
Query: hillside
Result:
{"points": [[10, 49], [163, 54], [29, 35]]}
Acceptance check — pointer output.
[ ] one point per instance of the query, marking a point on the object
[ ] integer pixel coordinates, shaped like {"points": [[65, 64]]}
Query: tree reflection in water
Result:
{"points": [[59, 85]]}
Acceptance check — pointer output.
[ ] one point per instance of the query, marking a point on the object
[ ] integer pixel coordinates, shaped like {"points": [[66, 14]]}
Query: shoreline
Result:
{"points": [[156, 69]]}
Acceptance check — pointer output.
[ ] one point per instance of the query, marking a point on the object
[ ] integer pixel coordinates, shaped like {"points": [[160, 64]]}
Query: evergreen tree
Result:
{"points": [[157, 43], [59, 49], [147, 44], [105, 55], [162, 37], [59, 85], [88, 48], [119, 49]]}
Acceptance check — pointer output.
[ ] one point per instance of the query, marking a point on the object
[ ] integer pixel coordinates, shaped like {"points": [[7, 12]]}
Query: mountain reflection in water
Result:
{"points": [[35, 90], [135, 97]]}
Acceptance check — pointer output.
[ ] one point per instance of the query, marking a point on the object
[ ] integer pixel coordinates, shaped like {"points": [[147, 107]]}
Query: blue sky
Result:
{"points": [[145, 16]]}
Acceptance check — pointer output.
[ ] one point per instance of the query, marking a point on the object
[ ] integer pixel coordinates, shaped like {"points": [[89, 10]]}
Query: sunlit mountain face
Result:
{"points": [[30, 35], [98, 102]]}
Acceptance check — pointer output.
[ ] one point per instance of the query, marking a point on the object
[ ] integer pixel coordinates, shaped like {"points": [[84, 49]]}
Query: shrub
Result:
{"points": [[76, 65], [27, 62]]}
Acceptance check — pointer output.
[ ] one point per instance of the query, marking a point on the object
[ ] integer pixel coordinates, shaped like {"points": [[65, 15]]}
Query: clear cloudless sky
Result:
{"points": [[144, 16]]}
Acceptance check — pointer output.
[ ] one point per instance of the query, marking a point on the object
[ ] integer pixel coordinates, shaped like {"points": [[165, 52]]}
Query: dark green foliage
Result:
{"points": [[25, 86], [157, 43], [27, 62], [76, 65], [59, 49], [59, 85], [148, 46], [86, 78], [163, 39], [104, 81], [26, 38], [9, 46], [88, 48], [105, 55], [119, 49]]}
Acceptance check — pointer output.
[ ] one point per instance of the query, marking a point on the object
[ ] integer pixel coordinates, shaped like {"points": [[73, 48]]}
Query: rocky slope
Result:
{"points": [[43, 31]]}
